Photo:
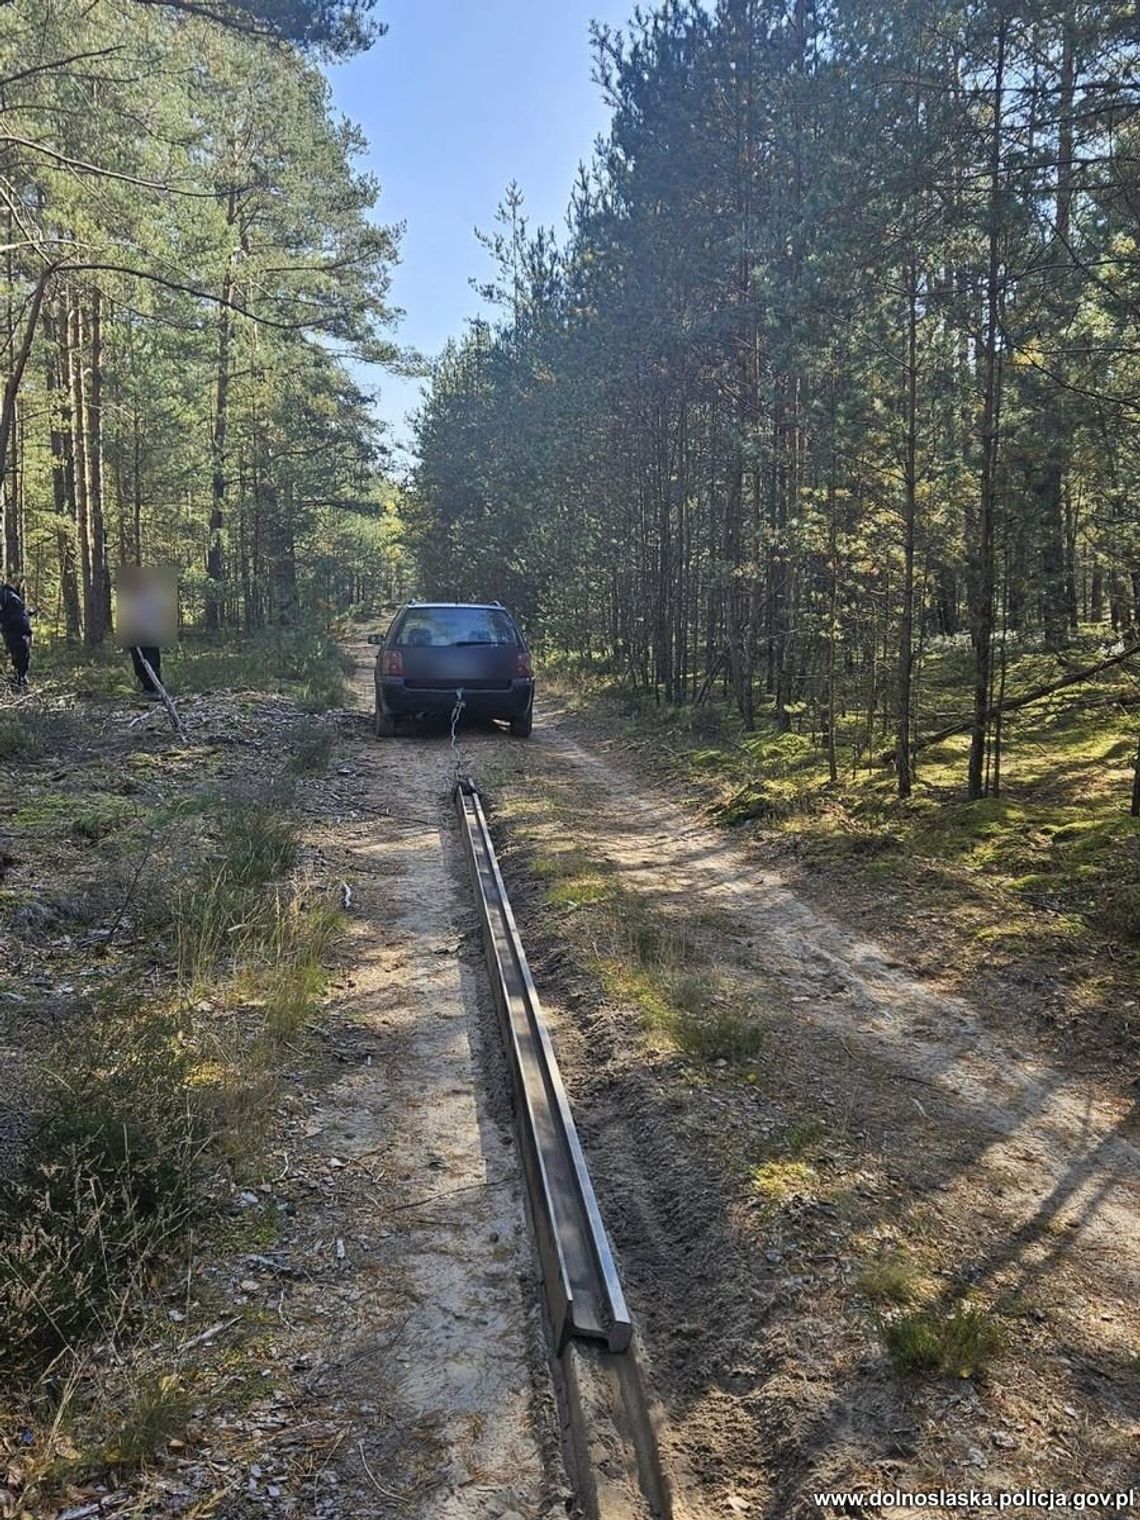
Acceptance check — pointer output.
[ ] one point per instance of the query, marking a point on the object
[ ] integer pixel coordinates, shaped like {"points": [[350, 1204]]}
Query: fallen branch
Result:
{"points": [[1012, 704], [209, 1333], [172, 711]]}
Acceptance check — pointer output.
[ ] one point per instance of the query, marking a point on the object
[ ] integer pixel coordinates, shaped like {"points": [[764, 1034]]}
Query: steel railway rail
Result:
{"points": [[609, 1424], [583, 1293]]}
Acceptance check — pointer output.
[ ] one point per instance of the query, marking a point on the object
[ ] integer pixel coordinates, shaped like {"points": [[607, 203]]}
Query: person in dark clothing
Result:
{"points": [[16, 627], [146, 613], [153, 657]]}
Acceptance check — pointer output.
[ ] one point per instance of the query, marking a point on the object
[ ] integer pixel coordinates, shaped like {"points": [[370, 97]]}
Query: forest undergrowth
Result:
{"points": [[165, 943]]}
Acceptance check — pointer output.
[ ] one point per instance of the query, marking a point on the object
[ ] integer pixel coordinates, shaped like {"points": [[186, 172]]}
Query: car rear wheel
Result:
{"points": [[521, 727], [383, 724]]}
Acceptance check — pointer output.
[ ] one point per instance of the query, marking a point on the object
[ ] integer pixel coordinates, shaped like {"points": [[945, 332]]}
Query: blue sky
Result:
{"points": [[459, 98]]}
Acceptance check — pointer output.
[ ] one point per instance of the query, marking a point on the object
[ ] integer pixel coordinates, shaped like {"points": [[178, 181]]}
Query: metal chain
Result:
{"points": [[460, 704]]}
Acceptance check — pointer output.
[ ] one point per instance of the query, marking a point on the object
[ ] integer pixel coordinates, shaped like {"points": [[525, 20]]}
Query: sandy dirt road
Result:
{"points": [[410, 1316]]}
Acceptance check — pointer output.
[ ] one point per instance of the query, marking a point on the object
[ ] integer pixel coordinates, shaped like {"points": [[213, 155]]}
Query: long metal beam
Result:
{"points": [[583, 1292]]}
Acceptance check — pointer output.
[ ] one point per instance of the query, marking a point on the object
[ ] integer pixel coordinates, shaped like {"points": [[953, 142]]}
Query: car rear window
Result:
{"points": [[447, 627]]}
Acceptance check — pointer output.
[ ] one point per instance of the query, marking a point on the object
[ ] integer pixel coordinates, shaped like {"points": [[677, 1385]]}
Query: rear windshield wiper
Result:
{"points": [[467, 643]]}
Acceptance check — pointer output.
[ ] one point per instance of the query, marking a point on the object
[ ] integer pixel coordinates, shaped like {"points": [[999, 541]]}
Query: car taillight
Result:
{"points": [[524, 665], [393, 663]]}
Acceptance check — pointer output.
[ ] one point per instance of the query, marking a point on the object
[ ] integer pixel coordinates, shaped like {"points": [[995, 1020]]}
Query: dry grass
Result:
{"points": [[285, 970], [29, 731], [107, 1187], [223, 910], [156, 1103], [642, 956], [893, 1278], [312, 749]]}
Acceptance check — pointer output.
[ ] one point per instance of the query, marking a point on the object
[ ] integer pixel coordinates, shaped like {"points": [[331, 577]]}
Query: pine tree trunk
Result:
{"points": [[739, 667], [983, 550], [137, 482], [910, 490], [13, 537], [1096, 593], [1059, 609], [283, 571], [62, 477], [21, 352], [80, 466], [832, 619], [215, 553], [99, 619], [13, 546]]}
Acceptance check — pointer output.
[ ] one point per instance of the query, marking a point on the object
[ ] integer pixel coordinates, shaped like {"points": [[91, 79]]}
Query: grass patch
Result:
{"points": [[97, 822], [790, 1167], [654, 965], [237, 928], [574, 879], [643, 957], [958, 1342], [106, 1190], [157, 1408], [149, 1104], [30, 732], [86, 817], [806, 1137], [255, 1229], [312, 749], [160, 1087], [703, 1027], [646, 994], [104, 675], [894, 1278], [305, 664], [16, 742], [291, 976], [223, 912], [79, 1439]]}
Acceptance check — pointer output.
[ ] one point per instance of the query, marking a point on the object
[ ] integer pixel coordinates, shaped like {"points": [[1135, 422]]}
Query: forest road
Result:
{"points": [[426, 1342]]}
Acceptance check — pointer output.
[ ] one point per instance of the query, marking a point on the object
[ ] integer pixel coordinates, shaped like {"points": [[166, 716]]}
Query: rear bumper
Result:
{"points": [[511, 700]]}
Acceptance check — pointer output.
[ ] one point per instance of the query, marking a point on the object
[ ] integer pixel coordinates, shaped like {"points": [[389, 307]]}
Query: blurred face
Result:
{"points": [[146, 606]]}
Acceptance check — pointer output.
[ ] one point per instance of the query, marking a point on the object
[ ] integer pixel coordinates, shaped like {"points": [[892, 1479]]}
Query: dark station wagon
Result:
{"points": [[436, 650]]}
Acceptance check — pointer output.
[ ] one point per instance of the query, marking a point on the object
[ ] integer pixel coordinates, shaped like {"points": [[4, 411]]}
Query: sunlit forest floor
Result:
{"points": [[1036, 889], [164, 936], [240, 1035]]}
